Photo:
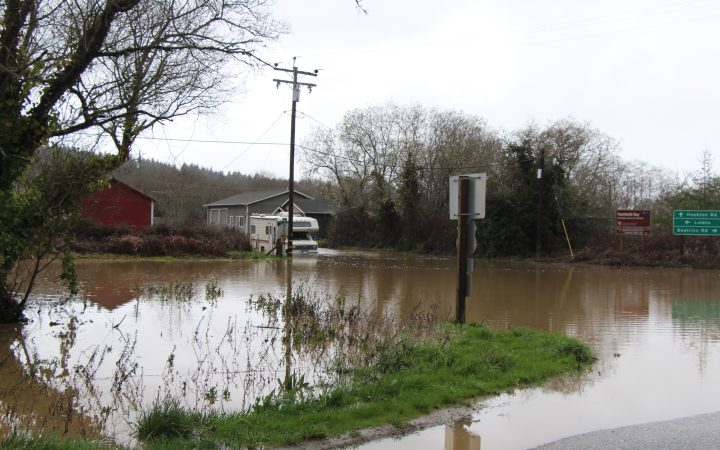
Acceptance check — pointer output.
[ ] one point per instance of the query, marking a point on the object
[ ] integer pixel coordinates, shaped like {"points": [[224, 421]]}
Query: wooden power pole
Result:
{"points": [[291, 179], [538, 231]]}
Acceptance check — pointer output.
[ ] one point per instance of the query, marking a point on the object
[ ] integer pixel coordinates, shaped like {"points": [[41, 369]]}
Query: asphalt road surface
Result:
{"points": [[695, 432]]}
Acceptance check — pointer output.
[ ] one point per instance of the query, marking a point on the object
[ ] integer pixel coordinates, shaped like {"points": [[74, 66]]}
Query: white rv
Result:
{"points": [[265, 230]]}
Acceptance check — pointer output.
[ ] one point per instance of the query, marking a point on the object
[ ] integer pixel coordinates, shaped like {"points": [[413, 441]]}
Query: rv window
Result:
{"points": [[301, 224]]}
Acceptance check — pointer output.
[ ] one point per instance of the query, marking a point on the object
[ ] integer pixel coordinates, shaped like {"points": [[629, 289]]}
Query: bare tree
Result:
{"points": [[121, 66], [110, 68]]}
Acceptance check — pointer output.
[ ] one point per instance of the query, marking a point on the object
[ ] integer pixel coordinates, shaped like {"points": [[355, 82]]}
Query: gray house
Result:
{"points": [[235, 211]]}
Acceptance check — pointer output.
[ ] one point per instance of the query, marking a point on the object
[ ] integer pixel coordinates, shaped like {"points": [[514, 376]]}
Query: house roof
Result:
{"points": [[250, 197], [313, 205]]}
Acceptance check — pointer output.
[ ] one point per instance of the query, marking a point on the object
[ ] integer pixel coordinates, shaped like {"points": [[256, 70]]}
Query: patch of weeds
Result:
{"points": [[211, 395], [316, 431], [254, 255], [521, 332], [166, 419], [268, 305], [337, 398], [391, 356], [212, 289], [49, 442], [503, 362], [288, 392], [181, 291], [578, 350]]}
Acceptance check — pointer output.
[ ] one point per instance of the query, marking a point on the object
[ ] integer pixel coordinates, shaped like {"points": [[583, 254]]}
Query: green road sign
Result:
{"points": [[697, 231], [695, 214], [696, 223]]}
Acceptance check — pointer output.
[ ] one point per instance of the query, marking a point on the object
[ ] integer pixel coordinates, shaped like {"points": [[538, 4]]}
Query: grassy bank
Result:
{"points": [[229, 255], [39, 442], [453, 365]]}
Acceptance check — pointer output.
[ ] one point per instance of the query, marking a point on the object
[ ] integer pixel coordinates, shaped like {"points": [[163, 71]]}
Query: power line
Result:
{"points": [[252, 144], [216, 141], [315, 120]]}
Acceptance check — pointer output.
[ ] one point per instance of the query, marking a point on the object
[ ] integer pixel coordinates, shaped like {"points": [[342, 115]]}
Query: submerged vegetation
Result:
{"points": [[401, 379], [374, 370], [301, 366]]}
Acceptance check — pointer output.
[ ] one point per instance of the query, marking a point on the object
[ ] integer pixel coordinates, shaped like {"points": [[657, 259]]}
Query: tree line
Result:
{"points": [[387, 168]]}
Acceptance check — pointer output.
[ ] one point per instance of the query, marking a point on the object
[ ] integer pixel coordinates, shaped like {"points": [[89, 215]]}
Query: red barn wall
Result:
{"points": [[118, 205]]}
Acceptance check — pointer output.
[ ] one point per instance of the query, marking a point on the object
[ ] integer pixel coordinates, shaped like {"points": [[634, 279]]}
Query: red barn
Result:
{"points": [[119, 204]]}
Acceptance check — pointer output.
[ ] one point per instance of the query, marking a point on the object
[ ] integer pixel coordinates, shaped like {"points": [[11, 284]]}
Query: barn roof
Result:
{"points": [[129, 186]]}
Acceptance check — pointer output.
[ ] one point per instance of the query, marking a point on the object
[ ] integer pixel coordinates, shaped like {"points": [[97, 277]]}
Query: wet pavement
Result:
{"points": [[689, 433]]}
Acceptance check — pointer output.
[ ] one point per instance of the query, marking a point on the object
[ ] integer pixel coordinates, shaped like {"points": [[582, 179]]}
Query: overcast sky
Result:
{"points": [[646, 73]]}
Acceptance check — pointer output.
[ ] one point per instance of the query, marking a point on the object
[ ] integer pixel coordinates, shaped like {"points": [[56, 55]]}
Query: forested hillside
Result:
{"points": [[181, 191]]}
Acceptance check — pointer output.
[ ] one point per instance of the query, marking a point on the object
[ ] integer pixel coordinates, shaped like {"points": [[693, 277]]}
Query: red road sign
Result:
{"points": [[631, 221]]}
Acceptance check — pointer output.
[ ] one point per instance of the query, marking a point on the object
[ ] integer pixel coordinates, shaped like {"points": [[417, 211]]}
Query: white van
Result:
{"points": [[265, 230]]}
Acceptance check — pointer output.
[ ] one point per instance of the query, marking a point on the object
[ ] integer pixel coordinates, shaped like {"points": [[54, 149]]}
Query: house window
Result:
{"points": [[267, 229], [252, 229], [214, 217], [240, 221], [232, 221]]}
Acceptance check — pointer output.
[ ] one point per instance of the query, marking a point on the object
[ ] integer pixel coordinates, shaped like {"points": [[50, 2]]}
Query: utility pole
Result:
{"points": [[296, 98], [538, 235]]}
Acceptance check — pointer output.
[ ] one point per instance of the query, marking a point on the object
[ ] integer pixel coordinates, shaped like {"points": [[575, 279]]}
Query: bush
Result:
{"points": [[161, 240]]}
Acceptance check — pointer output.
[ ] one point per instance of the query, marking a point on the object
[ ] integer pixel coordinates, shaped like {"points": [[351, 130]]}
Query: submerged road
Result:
{"points": [[695, 432]]}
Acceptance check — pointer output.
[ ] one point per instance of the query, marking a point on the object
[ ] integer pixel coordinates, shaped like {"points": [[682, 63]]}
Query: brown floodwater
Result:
{"points": [[143, 330]]}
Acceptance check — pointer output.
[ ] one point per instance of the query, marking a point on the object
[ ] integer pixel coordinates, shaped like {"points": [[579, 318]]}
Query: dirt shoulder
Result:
{"points": [[436, 418]]}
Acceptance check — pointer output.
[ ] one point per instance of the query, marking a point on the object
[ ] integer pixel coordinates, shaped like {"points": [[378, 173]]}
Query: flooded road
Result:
{"points": [[143, 330]]}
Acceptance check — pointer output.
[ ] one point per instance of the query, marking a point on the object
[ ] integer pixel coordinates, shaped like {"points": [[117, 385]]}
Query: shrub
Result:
{"points": [[161, 240]]}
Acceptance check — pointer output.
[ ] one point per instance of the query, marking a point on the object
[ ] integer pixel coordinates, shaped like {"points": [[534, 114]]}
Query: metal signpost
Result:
{"points": [[696, 223], [467, 201]]}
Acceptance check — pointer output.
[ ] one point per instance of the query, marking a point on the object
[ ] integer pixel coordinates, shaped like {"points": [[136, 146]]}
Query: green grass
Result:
{"points": [[253, 255], [42, 442], [168, 420], [407, 379], [233, 254], [101, 257]]}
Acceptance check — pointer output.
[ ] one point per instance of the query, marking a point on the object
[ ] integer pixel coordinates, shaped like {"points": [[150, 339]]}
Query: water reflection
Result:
{"points": [[458, 437], [29, 397], [656, 332]]}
